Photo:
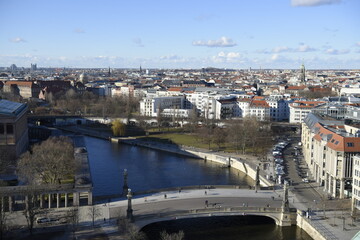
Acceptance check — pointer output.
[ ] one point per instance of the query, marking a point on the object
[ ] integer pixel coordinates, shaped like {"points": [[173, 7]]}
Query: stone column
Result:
{"points": [[41, 201], [334, 187], [49, 200], [66, 199], [58, 200], [76, 199], [342, 187], [90, 200], [326, 182], [2, 204], [10, 204], [26, 202]]}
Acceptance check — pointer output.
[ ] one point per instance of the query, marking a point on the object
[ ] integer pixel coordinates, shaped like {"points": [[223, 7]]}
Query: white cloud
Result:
{"points": [[222, 42], [17, 40], [358, 44], [223, 57], [281, 49], [310, 3], [333, 51], [275, 57], [305, 48]]}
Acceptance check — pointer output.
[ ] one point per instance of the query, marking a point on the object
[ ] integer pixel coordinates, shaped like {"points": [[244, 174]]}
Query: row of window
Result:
{"points": [[6, 128]]}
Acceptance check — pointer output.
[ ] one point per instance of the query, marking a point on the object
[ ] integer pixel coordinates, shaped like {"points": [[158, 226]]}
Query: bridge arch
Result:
{"points": [[142, 223]]}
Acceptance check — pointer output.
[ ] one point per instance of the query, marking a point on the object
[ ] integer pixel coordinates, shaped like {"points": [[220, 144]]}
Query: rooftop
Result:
{"points": [[11, 108]]}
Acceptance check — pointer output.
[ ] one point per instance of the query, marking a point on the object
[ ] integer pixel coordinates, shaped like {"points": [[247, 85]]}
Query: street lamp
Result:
{"points": [[129, 211], [125, 186]]}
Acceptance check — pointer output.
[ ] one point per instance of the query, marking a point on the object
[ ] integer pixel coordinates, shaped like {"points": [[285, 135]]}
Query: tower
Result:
{"points": [[302, 73]]}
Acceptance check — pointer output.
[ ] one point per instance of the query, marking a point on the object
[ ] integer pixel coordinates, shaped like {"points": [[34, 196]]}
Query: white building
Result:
{"points": [[356, 182], [151, 106], [300, 109]]}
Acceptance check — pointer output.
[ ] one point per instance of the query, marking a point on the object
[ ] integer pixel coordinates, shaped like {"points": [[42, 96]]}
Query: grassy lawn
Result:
{"points": [[194, 141]]}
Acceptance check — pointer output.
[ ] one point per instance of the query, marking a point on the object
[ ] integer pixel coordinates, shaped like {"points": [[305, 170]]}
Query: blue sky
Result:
{"points": [[181, 34]]}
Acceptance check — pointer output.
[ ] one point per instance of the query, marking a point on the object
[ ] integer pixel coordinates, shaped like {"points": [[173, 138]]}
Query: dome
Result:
{"points": [[83, 78]]}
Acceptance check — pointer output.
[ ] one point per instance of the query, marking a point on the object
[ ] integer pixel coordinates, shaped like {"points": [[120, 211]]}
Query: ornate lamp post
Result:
{"points": [[125, 186], [257, 179], [285, 201], [129, 211]]}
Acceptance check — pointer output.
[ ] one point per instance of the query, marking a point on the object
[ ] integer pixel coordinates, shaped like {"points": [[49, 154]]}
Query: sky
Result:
{"points": [[322, 34]]}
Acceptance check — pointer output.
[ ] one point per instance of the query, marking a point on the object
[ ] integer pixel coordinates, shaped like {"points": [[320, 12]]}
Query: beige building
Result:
{"points": [[329, 147], [14, 138]]}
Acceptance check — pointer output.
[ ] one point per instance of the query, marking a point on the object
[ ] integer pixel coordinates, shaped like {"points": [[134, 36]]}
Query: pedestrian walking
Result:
{"points": [[205, 192], [165, 196], [206, 203], [273, 198]]}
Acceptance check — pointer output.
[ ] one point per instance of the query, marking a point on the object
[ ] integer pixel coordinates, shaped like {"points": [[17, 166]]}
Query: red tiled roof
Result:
{"points": [[259, 103]]}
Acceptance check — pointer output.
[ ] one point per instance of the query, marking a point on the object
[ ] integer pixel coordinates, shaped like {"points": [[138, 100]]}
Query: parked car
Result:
{"points": [[42, 220]]}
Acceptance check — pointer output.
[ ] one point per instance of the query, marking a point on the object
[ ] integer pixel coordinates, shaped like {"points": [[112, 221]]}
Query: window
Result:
{"points": [[9, 128], [337, 142], [350, 144], [2, 130]]}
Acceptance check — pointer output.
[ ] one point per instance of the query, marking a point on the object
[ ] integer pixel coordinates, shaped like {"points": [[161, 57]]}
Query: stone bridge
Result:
{"points": [[172, 205], [280, 218]]}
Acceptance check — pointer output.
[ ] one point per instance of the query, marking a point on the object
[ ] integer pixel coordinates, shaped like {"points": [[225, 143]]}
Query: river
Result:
{"points": [[149, 169]]}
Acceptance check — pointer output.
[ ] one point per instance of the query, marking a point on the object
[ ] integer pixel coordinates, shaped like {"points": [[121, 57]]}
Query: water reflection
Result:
{"points": [[226, 228]]}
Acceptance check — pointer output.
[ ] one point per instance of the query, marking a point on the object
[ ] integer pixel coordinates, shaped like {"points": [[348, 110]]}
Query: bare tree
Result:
{"points": [[3, 216], [93, 213], [32, 209], [129, 230], [73, 218], [219, 136], [175, 236], [48, 162]]}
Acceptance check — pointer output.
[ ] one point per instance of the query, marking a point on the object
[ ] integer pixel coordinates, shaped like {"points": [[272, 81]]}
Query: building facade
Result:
{"points": [[329, 147], [14, 138]]}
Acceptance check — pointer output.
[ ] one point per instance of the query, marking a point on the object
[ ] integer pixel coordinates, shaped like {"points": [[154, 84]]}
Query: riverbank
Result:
{"points": [[244, 163]]}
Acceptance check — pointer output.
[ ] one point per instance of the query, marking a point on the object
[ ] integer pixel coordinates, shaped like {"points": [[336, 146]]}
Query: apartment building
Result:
{"points": [[329, 147], [298, 110], [151, 106], [356, 183]]}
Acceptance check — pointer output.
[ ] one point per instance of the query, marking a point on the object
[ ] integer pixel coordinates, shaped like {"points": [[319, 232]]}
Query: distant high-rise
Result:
{"points": [[33, 67], [13, 67], [302, 73]]}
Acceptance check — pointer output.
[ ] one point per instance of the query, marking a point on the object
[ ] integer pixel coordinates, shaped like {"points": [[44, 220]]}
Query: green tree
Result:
{"points": [[118, 128], [48, 162]]}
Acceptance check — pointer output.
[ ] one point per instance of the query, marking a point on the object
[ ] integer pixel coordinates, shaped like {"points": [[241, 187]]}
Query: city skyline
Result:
{"points": [[268, 34]]}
